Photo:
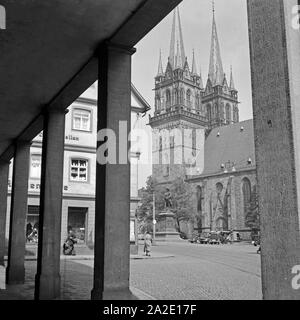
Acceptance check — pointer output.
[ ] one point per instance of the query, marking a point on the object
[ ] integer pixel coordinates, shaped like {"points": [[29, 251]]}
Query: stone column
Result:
{"points": [[112, 241], [275, 68], [15, 271], [47, 280], [4, 170]]}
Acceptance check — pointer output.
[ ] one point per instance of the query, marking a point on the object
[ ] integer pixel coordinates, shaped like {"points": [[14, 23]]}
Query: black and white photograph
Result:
{"points": [[149, 154]]}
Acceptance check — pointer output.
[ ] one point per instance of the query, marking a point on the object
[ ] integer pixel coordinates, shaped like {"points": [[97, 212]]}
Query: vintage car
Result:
{"points": [[204, 238], [214, 238]]}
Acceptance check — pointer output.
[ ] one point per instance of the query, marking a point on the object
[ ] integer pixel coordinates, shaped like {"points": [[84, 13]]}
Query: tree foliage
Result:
{"points": [[145, 211], [181, 202]]}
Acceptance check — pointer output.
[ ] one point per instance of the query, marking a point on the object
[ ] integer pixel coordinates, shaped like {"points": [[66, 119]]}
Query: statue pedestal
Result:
{"points": [[166, 230]]}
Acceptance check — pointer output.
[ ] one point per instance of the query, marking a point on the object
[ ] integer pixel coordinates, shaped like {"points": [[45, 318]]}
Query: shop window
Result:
{"points": [[77, 223], [82, 120], [35, 166], [79, 170], [32, 224]]}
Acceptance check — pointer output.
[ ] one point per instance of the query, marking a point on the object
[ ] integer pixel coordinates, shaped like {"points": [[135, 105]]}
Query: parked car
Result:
{"points": [[194, 239], [255, 236], [225, 236], [204, 238], [183, 235], [214, 238]]}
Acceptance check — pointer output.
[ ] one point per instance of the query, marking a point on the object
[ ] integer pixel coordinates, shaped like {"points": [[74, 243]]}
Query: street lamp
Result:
{"points": [[153, 220]]}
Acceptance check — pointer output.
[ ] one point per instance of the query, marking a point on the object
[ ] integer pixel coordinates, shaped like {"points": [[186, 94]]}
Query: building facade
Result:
{"points": [[197, 135], [78, 205]]}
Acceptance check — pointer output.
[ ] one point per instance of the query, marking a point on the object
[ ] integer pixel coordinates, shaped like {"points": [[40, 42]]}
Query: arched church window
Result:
{"points": [[188, 97], [222, 111], [160, 143], [199, 198], [235, 115], [168, 98], [197, 102], [166, 166], [158, 102], [182, 96], [208, 110], [246, 192], [228, 118], [194, 143], [216, 111], [219, 187], [176, 96]]}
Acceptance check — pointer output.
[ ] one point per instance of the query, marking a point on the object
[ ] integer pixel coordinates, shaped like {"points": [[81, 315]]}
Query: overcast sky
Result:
{"points": [[196, 19]]}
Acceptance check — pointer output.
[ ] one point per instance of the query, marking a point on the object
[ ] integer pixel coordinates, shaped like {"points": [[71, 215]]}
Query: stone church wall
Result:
{"points": [[214, 199]]}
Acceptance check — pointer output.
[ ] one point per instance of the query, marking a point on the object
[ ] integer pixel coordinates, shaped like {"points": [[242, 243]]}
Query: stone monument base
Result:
{"points": [[166, 228]]}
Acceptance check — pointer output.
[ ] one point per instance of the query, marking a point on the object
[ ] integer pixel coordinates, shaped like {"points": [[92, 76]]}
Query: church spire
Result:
{"points": [[216, 73], [194, 65], [160, 71], [177, 52], [201, 82], [232, 87]]}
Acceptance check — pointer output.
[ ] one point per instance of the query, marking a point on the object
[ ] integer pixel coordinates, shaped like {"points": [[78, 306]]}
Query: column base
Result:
{"points": [[47, 287], [15, 275], [116, 294]]}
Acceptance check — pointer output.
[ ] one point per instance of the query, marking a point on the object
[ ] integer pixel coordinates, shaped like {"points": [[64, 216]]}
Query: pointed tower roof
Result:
{"points": [[160, 71], [232, 87], [216, 72], [201, 82], [194, 66], [177, 52]]}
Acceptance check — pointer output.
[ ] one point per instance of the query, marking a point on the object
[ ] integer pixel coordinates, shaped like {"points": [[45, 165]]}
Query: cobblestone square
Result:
{"points": [[175, 271]]}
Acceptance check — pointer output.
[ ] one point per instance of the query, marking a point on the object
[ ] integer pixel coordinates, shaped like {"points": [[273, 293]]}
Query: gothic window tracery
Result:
{"points": [[219, 187], [208, 110], [160, 143], [199, 199], [158, 102], [182, 96], [194, 143], [197, 102], [216, 111], [246, 192], [176, 97], [168, 98], [188, 98], [166, 166]]}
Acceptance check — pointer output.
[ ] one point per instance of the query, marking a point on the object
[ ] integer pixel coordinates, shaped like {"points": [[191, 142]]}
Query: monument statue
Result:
{"points": [[168, 199]]}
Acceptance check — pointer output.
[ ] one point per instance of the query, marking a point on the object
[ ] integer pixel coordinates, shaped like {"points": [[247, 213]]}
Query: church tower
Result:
{"points": [[180, 119], [219, 98]]}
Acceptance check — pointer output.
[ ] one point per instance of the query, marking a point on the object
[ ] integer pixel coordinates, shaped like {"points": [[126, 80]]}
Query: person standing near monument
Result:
{"points": [[147, 244]]}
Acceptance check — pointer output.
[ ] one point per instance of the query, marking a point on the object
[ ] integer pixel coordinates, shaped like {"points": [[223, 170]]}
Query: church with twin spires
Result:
{"points": [[197, 135]]}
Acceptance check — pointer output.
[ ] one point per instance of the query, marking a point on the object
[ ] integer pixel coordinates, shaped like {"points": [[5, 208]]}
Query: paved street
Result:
{"points": [[200, 272], [174, 271]]}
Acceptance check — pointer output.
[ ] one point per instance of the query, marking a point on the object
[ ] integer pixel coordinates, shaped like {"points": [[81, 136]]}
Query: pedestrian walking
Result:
{"points": [[68, 246], [147, 244]]}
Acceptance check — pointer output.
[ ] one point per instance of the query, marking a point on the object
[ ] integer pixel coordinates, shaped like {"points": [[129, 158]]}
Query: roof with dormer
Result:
{"points": [[229, 146]]}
